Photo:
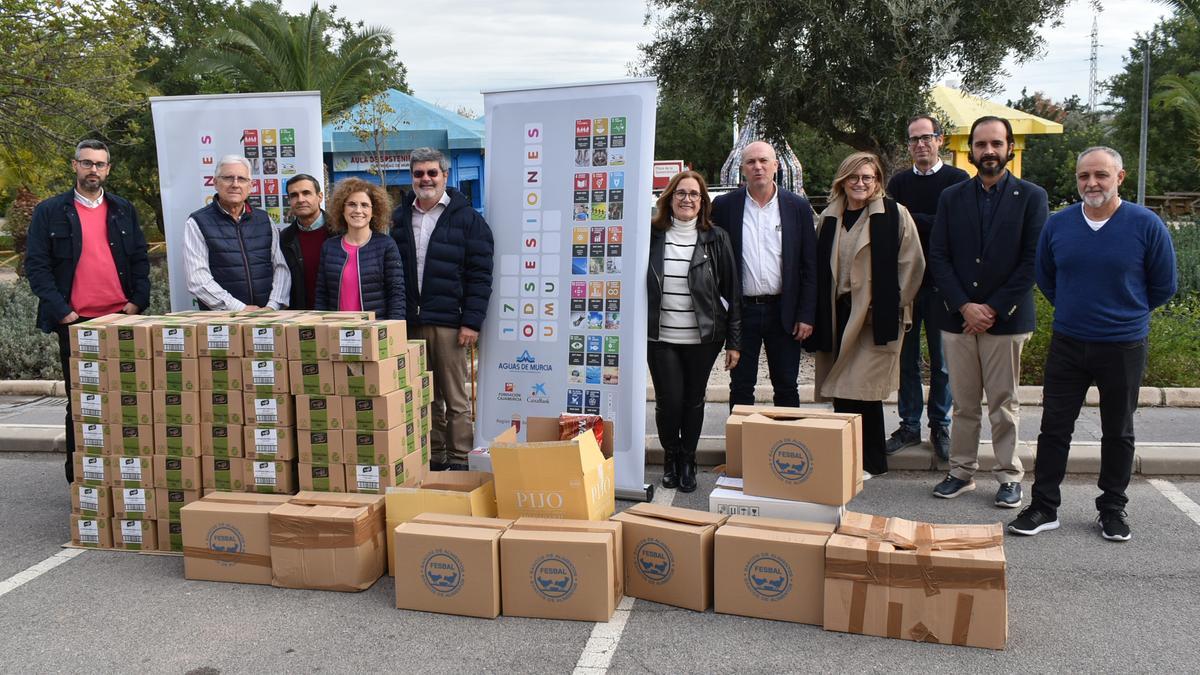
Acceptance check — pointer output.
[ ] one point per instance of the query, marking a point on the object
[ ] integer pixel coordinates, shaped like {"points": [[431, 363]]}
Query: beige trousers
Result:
{"points": [[450, 435], [980, 364]]}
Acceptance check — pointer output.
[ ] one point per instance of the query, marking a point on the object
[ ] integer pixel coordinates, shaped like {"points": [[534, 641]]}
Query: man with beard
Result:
{"points": [[85, 257], [1105, 265], [301, 241], [447, 249], [981, 254]]}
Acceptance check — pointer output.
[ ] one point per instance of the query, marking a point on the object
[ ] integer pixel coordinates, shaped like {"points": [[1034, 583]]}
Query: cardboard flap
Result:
{"points": [[780, 525], [246, 498], [566, 525], [676, 514], [343, 500], [462, 521], [576, 455], [450, 481], [453, 531], [913, 535]]}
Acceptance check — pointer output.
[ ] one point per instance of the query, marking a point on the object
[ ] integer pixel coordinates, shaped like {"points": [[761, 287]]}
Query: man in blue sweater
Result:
{"points": [[1105, 265]]}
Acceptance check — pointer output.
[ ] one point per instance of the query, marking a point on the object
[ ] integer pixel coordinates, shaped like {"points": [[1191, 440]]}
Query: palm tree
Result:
{"points": [[1182, 93], [264, 49], [1189, 6]]}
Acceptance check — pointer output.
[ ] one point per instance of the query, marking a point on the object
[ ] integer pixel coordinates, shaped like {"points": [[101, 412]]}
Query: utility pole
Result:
{"points": [[1145, 131], [1093, 85]]}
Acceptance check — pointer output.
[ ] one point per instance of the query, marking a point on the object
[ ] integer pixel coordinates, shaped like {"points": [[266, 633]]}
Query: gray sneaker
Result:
{"points": [[951, 487], [1009, 495], [902, 438]]}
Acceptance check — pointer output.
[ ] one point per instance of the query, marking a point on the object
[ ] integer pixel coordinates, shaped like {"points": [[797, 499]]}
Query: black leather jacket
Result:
{"points": [[713, 282]]}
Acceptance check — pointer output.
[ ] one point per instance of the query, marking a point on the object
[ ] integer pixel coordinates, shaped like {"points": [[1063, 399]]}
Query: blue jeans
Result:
{"points": [[910, 397], [762, 326]]}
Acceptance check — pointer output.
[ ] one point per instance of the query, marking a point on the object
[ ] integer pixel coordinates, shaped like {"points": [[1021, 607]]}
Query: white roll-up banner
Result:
{"points": [[569, 176], [280, 133]]}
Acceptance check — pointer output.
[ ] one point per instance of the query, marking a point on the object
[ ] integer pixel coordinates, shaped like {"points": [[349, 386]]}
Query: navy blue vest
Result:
{"points": [[239, 254]]}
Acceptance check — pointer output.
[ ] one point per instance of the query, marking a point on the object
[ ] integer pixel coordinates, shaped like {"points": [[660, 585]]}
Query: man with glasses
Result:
{"points": [[301, 241], [85, 257], [774, 238], [918, 189], [231, 251], [447, 250]]}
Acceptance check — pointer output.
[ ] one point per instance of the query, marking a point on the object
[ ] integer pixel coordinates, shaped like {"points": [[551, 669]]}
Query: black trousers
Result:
{"points": [[64, 358], [680, 376], [1116, 368], [873, 440], [762, 326]]}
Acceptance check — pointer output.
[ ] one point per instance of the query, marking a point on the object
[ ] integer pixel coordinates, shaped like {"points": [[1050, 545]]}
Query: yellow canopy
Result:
{"points": [[964, 109]]}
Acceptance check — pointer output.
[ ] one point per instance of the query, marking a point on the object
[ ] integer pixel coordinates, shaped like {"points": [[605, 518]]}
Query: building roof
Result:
{"points": [[418, 124], [965, 109]]}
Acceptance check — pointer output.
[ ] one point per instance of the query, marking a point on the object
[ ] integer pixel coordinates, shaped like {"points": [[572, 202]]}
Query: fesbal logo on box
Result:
{"points": [[553, 577], [768, 577], [225, 538], [654, 561], [791, 461], [442, 573]]}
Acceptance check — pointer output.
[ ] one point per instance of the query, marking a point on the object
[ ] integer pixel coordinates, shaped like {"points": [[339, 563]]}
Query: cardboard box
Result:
{"points": [[318, 412], [321, 477], [176, 407], [129, 337], [270, 410], [170, 535], [376, 447], [376, 341], [319, 447], [130, 440], [91, 471], [328, 541], [559, 574], [368, 413], [221, 440], [91, 438], [265, 339], [169, 501], [728, 499], [897, 578], [270, 477], [132, 408], [269, 443], [417, 355], [771, 568], [668, 554], [312, 377], [129, 472], [91, 501], [89, 339], [174, 339], [90, 406], [226, 537], [176, 374], [806, 460], [425, 388], [308, 340], [464, 493], [265, 376], [219, 337], [180, 473], [378, 478], [134, 535], [739, 413], [549, 478], [89, 375], [222, 407], [369, 378], [220, 374], [91, 532], [130, 375], [134, 504], [479, 459], [613, 527], [177, 440], [222, 473], [450, 567]]}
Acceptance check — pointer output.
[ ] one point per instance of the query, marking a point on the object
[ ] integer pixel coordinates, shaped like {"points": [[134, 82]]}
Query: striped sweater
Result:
{"points": [[677, 315]]}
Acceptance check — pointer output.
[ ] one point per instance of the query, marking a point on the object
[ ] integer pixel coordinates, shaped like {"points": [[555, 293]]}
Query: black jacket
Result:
{"points": [[458, 265], [289, 245], [798, 303], [380, 276], [998, 272], [712, 277], [55, 243]]}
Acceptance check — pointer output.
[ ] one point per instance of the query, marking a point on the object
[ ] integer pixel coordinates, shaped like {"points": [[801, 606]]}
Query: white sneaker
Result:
{"points": [[867, 476]]}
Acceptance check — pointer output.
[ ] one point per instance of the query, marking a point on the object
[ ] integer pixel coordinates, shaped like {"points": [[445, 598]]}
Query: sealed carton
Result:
{"points": [[218, 336], [130, 375], [174, 339], [668, 554], [312, 377], [177, 440], [130, 472], [91, 532], [771, 568], [318, 412], [132, 407], [559, 574], [89, 375], [91, 501], [319, 447], [367, 413], [321, 477], [727, 498], [227, 537], [180, 473], [222, 407], [169, 501], [92, 471], [807, 460], [90, 438], [270, 477], [369, 378], [270, 410], [134, 535], [425, 388], [374, 341], [376, 447], [549, 478], [220, 373], [269, 443], [897, 578], [465, 493], [308, 340], [266, 339], [129, 337], [89, 339], [176, 407], [377, 478], [221, 440], [449, 566], [176, 374], [130, 440], [223, 473], [265, 376], [328, 541], [90, 406], [417, 355], [170, 535], [134, 504], [733, 428], [613, 527]]}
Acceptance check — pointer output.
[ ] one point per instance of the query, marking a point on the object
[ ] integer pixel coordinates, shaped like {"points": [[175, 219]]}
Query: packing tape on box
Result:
{"points": [[962, 623], [227, 557], [913, 576], [298, 532]]}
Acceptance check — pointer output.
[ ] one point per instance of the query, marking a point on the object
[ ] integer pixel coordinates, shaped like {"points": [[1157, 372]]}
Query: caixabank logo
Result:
{"points": [[227, 539], [553, 577], [768, 577], [791, 461], [654, 561], [442, 573]]}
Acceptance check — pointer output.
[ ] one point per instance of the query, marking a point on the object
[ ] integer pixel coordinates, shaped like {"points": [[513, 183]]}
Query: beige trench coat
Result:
{"points": [[862, 370]]}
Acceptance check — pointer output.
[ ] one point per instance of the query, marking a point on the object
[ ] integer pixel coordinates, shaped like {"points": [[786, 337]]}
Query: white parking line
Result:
{"points": [[602, 644], [30, 573], [1190, 508]]}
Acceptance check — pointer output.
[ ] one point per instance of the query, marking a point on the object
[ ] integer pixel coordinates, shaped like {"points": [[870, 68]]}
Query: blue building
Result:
{"points": [[417, 124]]}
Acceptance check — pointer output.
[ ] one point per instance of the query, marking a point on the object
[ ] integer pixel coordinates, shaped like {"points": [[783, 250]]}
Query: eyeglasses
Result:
{"points": [[927, 139], [421, 173], [865, 180], [686, 196], [89, 164], [240, 180]]}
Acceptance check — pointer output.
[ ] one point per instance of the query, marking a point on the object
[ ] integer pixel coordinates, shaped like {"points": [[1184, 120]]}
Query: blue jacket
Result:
{"points": [[55, 243], [380, 276], [457, 281], [239, 253]]}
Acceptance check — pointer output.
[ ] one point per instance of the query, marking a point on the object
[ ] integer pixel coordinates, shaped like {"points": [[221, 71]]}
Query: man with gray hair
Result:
{"points": [[1104, 264], [231, 251], [447, 251]]}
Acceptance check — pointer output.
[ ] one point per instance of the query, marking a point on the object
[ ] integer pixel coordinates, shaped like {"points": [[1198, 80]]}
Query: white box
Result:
{"points": [[479, 459], [728, 499]]}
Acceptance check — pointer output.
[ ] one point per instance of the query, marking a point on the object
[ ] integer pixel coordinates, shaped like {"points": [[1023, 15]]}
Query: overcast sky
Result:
{"points": [[456, 48]]}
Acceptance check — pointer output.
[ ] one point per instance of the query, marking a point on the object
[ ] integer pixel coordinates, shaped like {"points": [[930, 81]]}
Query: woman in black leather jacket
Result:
{"points": [[694, 311]]}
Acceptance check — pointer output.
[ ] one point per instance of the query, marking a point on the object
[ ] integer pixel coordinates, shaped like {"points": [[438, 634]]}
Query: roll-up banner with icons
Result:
{"points": [[569, 176], [280, 133]]}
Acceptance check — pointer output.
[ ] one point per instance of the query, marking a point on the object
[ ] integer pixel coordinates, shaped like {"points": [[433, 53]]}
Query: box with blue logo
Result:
{"points": [[449, 564], [669, 554], [569, 572], [226, 537], [771, 568], [328, 541], [813, 459]]}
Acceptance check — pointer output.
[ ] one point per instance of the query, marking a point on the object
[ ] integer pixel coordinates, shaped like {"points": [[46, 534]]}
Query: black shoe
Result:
{"points": [[939, 438], [687, 475], [458, 467], [1032, 521], [438, 465], [1009, 495], [951, 487], [1113, 526], [670, 477], [901, 439]]}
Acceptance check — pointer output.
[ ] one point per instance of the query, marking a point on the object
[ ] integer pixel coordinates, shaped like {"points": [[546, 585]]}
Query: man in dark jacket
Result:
{"points": [[447, 251], [85, 257], [301, 240], [775, 243]]}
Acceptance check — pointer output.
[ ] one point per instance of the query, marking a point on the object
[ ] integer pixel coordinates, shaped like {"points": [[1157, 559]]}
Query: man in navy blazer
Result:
{"points": [[981, 253], [774, 238]]}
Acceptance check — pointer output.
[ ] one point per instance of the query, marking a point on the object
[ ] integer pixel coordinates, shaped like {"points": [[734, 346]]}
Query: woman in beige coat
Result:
{"points": [[869, 269]]}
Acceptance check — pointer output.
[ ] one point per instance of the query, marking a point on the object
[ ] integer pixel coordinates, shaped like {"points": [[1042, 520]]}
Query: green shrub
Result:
{"points": [[1185, 234]]}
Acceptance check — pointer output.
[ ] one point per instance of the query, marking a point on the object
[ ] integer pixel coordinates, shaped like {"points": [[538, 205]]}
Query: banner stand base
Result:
{"points": [[633, 495]]}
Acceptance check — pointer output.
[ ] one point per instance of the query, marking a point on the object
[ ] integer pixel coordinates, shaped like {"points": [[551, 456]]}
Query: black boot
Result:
{"points": [[687, 471], [670, 477]]}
